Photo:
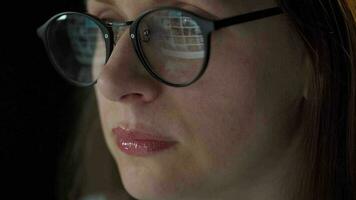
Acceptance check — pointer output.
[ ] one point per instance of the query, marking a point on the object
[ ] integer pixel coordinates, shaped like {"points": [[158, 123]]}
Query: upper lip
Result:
{"points": [[139, 132]]}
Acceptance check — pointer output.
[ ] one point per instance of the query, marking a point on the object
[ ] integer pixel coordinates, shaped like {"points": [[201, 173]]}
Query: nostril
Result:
{"points": [[128, 97]]}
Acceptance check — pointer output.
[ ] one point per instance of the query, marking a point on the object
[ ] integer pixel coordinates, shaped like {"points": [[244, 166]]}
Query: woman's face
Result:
{"points": [[231, 127]]}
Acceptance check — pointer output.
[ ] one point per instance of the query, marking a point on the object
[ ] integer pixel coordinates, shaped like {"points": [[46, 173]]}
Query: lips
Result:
{"points": [[139, 142]]}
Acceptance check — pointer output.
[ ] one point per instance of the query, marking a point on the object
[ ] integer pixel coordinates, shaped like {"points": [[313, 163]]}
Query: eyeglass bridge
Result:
{"points": [[118, 28]]}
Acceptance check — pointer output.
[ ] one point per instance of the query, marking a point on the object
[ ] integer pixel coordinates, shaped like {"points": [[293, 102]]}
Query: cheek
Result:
{"points": [[222, 106], [221, 126], [105, 111], [108, 113], [226, 136]]}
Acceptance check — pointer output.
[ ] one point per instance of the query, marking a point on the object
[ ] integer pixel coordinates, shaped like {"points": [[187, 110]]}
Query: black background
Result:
{"points": [[34, 103]]}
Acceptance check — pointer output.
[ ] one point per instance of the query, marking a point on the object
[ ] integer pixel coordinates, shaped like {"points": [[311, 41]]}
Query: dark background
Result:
{"points": [[34, 102]]}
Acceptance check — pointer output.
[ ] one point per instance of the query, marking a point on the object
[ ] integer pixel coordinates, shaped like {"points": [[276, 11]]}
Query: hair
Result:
{"points": [[328, 28], [329, 114]]}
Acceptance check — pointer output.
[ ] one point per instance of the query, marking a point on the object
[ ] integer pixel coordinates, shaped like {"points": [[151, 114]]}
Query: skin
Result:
{"points": [[237, 128]]}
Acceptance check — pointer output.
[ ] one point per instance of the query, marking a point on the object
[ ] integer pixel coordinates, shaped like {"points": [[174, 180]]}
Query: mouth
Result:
{"points": [[136, 142]]}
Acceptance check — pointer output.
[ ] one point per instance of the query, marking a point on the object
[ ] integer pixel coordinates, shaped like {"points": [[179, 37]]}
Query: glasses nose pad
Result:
{"points": [[146, 35]]}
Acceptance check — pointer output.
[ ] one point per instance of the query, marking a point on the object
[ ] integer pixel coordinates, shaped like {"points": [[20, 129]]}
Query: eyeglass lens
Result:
{"points": [[171, 42], [78, 47], [173, 45]]}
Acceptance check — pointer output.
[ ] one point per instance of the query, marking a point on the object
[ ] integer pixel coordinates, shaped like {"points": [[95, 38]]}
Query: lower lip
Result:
{"points": [[140, 147]]}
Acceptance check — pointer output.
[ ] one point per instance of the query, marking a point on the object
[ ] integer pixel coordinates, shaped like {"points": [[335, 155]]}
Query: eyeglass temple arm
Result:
{"points": [[247, 17]]}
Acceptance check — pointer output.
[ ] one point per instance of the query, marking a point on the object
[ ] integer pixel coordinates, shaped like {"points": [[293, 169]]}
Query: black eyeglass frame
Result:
{"points": [[207, 26]]}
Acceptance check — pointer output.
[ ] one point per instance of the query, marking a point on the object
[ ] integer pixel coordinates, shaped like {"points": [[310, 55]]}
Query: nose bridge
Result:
{"points": [[119, 29], [123, 75], [124, 54], [123, 47]]}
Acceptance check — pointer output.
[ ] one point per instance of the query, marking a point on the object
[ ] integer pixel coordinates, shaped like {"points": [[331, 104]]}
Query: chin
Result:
{"points": [[145, 186], [159, 177], [153, 180]]}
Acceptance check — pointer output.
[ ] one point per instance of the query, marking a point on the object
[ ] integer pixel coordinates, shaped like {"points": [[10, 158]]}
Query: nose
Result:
{"points": [[124, 79]]}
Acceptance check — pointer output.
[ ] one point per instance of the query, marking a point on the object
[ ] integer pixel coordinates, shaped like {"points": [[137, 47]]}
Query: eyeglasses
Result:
{"points": [[172, 44]]}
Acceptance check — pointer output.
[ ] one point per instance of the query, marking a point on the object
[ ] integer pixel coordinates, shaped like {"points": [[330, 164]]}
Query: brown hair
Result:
{"points": [[329, 31], [328, 28]]}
